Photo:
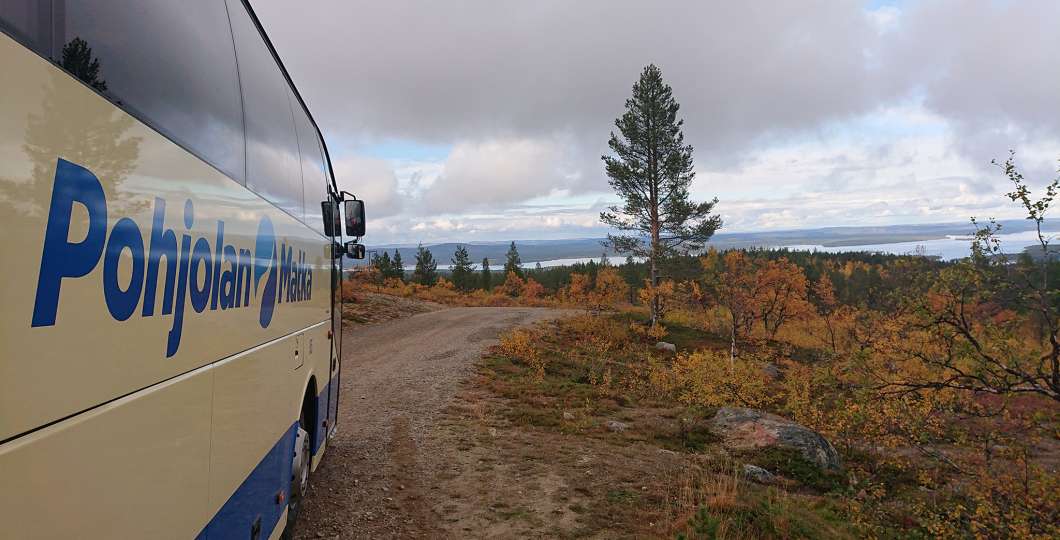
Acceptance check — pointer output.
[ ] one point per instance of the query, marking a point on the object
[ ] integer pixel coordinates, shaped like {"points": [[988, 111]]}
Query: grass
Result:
{"points": [[767, 514], [574, 355], [791, 464]]}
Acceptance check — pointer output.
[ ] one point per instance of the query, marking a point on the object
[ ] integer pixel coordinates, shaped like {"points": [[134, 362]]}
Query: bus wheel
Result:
{"points": [[299, 476]]}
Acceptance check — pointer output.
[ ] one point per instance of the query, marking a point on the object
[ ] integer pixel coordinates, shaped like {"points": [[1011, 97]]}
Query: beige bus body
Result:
{"points": [[105, 435]]}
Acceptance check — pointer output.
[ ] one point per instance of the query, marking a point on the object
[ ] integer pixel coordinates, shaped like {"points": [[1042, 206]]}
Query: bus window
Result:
{"points": [[171, 64], [273, 169], [29, 21], [314, 181]]}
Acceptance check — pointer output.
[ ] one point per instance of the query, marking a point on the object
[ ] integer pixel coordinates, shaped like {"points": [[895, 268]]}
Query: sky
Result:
{"points": [[485, 120]]}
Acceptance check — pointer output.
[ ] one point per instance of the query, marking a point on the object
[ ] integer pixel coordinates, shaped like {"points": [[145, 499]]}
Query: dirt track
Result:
{"points": [[397, 377]]}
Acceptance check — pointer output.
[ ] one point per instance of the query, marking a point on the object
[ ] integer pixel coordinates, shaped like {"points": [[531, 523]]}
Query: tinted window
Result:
{"points": [[314, 180], [273, 168], [170, 63], [29, 21]]}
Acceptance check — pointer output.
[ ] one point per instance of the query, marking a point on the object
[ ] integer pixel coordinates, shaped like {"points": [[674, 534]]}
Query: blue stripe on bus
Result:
{"points": [[256, 497]]}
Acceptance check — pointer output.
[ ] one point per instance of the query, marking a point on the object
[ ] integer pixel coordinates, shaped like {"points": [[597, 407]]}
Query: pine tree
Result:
{"points": [[462, 276], [487, 276], [426, 272], [512, 262], [77, 59], [651, 169], [397, 267], [383, 264]]}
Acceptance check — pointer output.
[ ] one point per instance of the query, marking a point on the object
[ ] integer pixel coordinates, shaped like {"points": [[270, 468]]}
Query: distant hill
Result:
{"points": [[532, 251]]}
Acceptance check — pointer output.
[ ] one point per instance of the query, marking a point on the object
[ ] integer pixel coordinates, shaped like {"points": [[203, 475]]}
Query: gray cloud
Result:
{"points": [[525, 94], [442, 71]]}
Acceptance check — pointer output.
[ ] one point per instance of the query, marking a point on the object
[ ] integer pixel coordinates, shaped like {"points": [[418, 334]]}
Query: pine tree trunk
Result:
{"points": [[655, 291], [653, 183]]}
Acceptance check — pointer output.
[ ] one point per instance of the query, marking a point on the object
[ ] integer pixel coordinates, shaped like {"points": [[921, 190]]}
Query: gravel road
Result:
{"points": [[396, 379]]}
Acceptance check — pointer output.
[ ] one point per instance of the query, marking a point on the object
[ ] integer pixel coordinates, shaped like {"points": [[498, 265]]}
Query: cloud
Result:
{"points": [[801, 113], [439, 71], [989, 68], [372, 180], [496, 172]]}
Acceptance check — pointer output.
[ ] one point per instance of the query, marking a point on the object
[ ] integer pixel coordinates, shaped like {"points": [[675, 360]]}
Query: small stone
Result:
{"points": [[616, 426], [758, 474], [664, 346], [493, 432], [567, 415]]}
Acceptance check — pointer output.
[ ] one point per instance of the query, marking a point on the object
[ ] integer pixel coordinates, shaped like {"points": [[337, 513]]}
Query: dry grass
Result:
{"points": [[602, 368]]}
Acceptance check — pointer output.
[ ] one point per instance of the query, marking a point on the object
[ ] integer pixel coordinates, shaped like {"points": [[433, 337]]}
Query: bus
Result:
{"points": [[172, 248]]}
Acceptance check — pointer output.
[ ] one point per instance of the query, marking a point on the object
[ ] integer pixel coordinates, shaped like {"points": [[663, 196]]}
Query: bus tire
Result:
{"points": [[299, 476]]}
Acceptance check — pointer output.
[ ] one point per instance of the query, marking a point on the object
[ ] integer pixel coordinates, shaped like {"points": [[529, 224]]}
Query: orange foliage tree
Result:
{"points": [[771, 293], [606, 291], [781, 294], [532, 289], [513, 285]]}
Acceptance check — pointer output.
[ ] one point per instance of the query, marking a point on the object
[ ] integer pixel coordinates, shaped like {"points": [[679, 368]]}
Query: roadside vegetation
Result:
{"points": [[934, 440], [935, 382], [787, 394]]}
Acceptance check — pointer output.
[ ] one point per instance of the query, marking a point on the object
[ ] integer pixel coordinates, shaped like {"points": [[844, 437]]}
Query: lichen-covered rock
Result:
{"points": [[744, 429]]}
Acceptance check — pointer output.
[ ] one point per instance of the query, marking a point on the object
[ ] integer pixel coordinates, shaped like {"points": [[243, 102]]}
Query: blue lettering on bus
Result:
{"points": [[208, 277]]}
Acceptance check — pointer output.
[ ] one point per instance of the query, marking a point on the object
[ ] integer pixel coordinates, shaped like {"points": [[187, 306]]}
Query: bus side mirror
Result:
{"points": [[355, 250], [332, 219], [355, 218]]}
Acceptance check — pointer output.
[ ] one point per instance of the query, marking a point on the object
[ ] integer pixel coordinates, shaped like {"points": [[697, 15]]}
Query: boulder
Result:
{"points": [[745, 429], [664, 346], [755, 473]]}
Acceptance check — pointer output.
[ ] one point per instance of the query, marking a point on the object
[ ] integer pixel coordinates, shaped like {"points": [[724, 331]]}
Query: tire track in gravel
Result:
{"points": [[396, 379]]}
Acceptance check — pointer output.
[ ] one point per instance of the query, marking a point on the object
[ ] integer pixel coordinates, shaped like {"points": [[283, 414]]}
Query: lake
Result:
{"points": [[949, 248]]}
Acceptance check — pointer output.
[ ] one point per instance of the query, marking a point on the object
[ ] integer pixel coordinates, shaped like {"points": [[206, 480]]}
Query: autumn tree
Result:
{"points": [[971, 321], [513, 284], [609, 289], [651, 169], [532, 289], [824, 299], [781, 297], [462, 272], [512, 262], [426, 272], [735, 288]]}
